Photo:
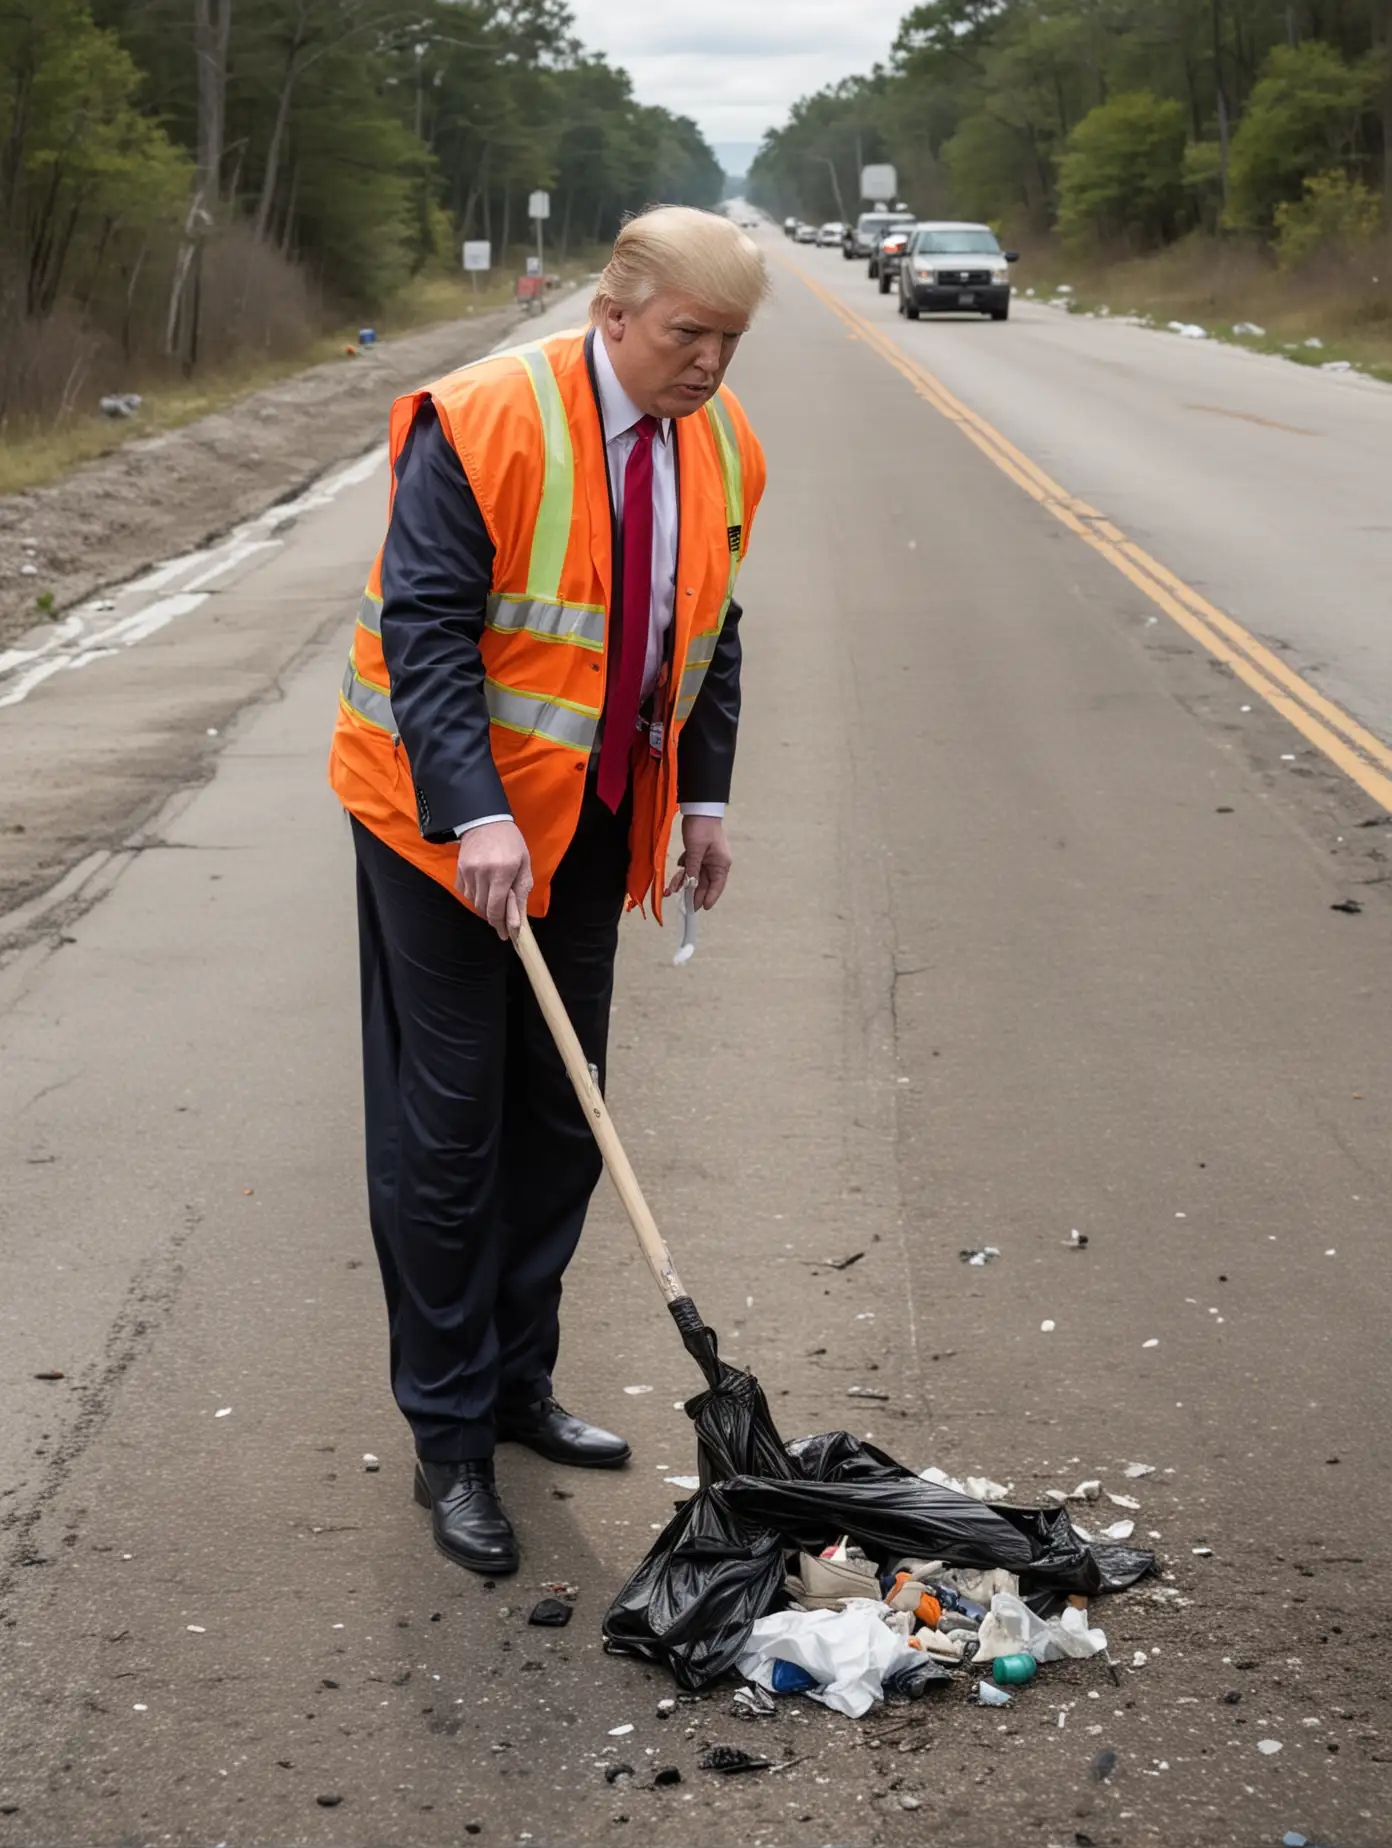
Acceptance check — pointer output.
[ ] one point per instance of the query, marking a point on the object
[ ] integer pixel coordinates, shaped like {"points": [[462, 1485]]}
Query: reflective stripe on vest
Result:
{"points": [[529, 713], [370, 613], [539, 717], [700, 650], [369, 702], [551, 535], [579, 623]]}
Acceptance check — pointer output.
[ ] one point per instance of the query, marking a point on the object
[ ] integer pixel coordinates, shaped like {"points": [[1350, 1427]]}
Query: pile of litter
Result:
{"points": [[853, 1577]]}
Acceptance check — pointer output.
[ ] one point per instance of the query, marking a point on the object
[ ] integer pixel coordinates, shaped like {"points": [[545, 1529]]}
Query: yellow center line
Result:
{"points": [[1364, 758]]}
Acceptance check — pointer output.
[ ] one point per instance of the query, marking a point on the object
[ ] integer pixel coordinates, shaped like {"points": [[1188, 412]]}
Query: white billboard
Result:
{"points": [[879, 182]]}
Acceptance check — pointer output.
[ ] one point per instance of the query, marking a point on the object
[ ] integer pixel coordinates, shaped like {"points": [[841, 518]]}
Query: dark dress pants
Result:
{"points": [[480, 1163]]}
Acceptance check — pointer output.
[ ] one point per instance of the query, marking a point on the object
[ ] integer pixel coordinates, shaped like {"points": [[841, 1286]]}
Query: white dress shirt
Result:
{"points": [[619, 417]]}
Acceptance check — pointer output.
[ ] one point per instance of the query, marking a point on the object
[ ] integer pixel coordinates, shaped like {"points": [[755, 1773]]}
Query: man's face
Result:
{"points": [[671, 355]]}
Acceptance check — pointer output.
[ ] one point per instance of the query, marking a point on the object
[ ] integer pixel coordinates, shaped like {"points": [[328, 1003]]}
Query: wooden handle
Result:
{"points": [[650, 1240]]}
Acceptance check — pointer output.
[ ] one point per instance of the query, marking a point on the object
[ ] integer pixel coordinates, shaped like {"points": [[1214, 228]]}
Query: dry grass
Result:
{"points": [[39, 447], [1343, 301]]}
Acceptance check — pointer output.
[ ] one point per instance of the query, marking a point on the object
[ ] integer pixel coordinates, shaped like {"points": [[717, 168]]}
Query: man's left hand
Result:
{"points": [[705, 857]]}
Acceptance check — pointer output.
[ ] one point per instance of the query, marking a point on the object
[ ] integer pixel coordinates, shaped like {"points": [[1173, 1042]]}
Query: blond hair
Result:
{"points": [[697, 254]]}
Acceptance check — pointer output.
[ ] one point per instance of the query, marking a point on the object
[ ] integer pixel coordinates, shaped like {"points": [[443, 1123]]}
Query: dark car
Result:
{"points": [[952, 268], [888, 254], [860, 237]]}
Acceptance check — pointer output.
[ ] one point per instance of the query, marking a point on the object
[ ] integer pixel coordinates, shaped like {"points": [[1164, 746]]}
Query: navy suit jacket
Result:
{"points": [[437, 570]]}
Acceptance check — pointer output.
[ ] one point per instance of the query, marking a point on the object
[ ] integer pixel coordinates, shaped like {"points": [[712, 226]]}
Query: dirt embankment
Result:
{"points": [[166, 494]]}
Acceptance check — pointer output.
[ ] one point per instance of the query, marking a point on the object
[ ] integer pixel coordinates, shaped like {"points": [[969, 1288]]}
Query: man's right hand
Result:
{"points": [[495, 874]]}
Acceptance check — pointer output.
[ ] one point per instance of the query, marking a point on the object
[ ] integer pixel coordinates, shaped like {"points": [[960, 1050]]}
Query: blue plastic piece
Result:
{"points": [[788, 1678]]}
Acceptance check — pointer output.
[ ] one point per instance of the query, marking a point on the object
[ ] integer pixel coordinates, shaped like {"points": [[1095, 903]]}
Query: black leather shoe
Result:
{"points": [[548, 1428], [466, 1516]]}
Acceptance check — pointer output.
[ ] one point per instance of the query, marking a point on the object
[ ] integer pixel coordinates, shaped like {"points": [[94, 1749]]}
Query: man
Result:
{"points": [[546, 665]]}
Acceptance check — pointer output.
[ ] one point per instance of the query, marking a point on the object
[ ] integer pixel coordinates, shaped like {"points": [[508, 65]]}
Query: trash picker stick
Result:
{"points": [[650, 1240]]}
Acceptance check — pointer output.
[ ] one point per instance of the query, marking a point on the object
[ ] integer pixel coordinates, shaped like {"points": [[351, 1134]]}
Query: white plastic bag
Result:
{"points": [[848, 1653], [1010, 1627]]}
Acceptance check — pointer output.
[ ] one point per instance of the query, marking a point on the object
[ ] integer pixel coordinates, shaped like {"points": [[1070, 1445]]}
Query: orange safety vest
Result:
{"points": [[525, 425]]}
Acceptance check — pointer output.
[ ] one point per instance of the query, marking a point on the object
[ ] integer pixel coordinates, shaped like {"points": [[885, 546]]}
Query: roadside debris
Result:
{"points": [[1187, 330], [989, 1695], [121, 404], [1013, 1670], [1349, 906], [840, 1264], [729, 1758], [730, 1583], [865, 1392], [634, 1391], [1136, 1470], [551, 1614], [612, 1773], [984, 1254], [1268, 1747], [1250, 328], [370, 1463], [1103, 1766], [1076, 1240]]}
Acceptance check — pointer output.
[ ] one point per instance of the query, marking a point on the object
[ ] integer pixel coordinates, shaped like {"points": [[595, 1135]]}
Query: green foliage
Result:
{"points": [[1337, 214], [1075, 113], [80, 165], [1303, 118], [1121, 178], [303, 158]]}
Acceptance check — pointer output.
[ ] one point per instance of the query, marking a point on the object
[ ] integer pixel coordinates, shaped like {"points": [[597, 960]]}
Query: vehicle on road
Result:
{"points": [[952, 268], [805, 234], [790, 225], [830, 234], [888, 254], [860, 237]]}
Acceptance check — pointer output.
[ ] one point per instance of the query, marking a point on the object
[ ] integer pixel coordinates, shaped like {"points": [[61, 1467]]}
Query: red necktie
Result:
{"points": [[625, 684]]}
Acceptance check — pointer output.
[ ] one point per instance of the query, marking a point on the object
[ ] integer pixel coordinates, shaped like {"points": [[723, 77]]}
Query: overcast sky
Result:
{"points": [[737, 65]]}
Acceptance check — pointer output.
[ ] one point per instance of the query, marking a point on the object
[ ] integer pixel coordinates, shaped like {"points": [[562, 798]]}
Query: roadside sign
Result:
{"points": [[478, 254], [539, 205], [880, 182], [533, 266]]}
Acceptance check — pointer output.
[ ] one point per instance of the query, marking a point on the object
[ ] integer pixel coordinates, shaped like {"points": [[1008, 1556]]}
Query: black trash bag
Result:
{"points": [[735, 1432], [719, 1564], [1064, 1562]]}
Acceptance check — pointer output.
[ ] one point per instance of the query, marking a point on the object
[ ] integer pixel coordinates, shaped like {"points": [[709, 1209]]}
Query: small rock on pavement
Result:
{"points": [[666, 1708], [1103, 1766], [370, 1463], [910, 1803], [329, 1799], [612, 1773], [551, 1613]]}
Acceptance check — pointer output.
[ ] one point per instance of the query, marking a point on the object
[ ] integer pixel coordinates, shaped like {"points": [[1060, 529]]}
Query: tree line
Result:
{"points": [[181, 180], [1120, 125]]}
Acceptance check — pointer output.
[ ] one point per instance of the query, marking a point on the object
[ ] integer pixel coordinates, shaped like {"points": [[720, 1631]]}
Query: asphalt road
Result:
{"points": [[1030, 930]]}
